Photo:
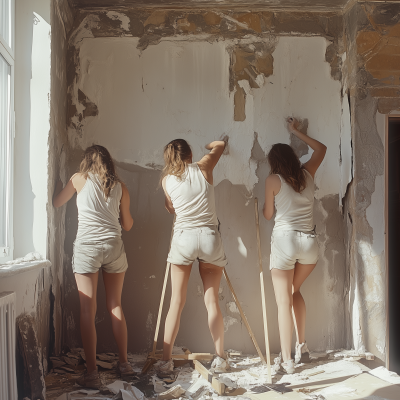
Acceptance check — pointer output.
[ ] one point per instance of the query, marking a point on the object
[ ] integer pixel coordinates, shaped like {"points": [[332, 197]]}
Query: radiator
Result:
{"points": [[8, 378]]}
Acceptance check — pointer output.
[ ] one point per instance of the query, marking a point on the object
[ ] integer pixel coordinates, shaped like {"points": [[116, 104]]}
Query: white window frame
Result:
{"points": [[7, 253]]}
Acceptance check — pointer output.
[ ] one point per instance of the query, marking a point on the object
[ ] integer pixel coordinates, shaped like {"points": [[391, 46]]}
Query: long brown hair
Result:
{"points": [[97, 160], [177, 154], [283, 161]]}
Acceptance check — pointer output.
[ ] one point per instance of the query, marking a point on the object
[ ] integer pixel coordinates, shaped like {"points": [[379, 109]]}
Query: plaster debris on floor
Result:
{"points": [[342, 374]]}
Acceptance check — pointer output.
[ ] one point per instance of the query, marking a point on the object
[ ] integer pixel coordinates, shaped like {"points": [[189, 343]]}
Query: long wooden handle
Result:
{"points": [[253, 338], [160, 308], [264, 306]]}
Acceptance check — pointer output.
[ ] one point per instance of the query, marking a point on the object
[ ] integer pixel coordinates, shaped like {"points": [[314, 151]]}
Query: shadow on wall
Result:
{"points": [[147, 245]]}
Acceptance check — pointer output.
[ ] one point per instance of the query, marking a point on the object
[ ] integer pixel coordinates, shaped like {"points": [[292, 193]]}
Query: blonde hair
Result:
{"points": [[97, 160], [177, 154]]}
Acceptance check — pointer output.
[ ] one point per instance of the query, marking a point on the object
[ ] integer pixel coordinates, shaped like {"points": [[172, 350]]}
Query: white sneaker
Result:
{"points": [[219, 365], [164, 368], [302, 353], [288, 366]]}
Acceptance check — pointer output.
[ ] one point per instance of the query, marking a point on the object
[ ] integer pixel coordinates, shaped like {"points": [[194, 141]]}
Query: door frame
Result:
{"points": [[395, 115]]}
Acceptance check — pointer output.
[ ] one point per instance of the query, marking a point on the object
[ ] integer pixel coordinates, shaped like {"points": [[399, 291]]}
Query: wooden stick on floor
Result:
{"points": [[160, 308], [253, 338], [264, 307]]}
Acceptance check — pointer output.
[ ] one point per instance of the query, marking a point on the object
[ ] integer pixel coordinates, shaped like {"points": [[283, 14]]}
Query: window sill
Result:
{"points": [[7, 270]]}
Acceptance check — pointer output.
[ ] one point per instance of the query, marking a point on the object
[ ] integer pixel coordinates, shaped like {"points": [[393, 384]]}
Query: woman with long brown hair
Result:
{"points": [[294, 249], [189, 194], [103, 207]]}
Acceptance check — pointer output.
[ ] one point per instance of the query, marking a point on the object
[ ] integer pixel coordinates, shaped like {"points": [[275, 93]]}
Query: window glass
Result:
{"points": [[5, 21], [5, 145]]}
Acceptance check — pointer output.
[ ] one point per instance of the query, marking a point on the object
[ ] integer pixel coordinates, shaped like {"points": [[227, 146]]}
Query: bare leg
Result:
{"points": [[179, 281], [211, 277], [301, 272], [113, 285], [283, 281], [87, 287]]}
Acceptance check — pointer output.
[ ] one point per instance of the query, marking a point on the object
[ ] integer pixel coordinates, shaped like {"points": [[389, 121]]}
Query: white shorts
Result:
{"points": [[89, 256], [289, 247], [203, 244]]}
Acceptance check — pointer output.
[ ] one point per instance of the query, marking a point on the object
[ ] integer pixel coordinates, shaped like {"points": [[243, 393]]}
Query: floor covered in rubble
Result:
{"points": [[334, 375]]}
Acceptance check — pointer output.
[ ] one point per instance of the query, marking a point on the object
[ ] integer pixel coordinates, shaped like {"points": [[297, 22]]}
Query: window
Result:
{"points": [[6, 126]]}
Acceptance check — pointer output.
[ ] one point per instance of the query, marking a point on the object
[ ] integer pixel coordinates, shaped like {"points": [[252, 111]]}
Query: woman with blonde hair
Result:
{"points": [[294, 249], [189, 194], [103, 207]]}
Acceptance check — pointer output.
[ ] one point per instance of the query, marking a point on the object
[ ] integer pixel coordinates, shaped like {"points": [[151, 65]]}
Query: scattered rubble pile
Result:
{"points": [[324, 378]]}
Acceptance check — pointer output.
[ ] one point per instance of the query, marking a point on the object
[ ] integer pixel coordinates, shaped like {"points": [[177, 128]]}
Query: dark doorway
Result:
{"points": [[393, 218]]}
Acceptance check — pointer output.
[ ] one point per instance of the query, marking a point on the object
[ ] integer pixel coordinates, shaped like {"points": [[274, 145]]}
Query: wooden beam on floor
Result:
{"points": [[218, 386]]}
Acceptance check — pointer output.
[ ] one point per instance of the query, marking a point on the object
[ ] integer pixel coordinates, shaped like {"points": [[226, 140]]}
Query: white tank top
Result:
{"points": [[193, 199], [98, 218], [294, 211]]}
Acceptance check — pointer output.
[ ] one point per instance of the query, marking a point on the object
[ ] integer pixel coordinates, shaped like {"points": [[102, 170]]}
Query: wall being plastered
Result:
{"points": [[138, 80]]}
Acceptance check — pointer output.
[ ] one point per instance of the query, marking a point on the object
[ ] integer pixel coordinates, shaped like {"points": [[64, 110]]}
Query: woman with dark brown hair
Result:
{"points": [[294, 249], [103, 207]]}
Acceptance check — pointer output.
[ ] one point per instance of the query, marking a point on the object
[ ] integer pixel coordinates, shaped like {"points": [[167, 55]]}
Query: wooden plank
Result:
{"points": [[218, 386], [263, 303], [160, 308], [253, 338]]}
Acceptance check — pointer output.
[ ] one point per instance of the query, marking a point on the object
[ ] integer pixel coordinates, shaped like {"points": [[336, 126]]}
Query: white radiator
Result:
{"points": [[8, 378]]}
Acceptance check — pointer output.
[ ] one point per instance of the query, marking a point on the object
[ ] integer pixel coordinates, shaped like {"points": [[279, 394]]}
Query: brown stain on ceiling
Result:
{"points": [[292, 4]]}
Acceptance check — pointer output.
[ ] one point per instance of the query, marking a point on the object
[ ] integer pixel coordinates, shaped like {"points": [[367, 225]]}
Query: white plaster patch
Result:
{"points": [[376, 215], [229, 321], [231, 307], [125, 21], [152, 276], [241, 247], [302, 86]]}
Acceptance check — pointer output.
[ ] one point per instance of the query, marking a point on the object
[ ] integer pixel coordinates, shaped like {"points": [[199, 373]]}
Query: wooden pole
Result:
{"points": [[264, 307], [253, 338], [160, 308]]}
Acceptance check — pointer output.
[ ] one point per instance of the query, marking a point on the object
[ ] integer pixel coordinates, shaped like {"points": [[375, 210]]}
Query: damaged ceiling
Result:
{"points": [[278, 4]]}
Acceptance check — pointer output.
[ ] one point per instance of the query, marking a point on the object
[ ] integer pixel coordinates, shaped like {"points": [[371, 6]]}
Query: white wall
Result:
{"points": [[180, 88]]}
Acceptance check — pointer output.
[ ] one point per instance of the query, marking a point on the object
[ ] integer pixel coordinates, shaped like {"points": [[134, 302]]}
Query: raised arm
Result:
{"points": [[210, 160], [124, 209], [319, 149], [168, 203]]}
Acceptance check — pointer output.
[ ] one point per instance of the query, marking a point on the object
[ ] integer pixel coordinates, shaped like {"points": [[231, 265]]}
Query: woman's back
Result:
{"points": [[98, 218], [294, 211], [193, 199]]}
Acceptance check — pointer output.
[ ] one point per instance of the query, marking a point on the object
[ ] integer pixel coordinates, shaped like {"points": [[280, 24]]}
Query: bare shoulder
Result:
{"points": [[273, 179], [78, 180], [273, 182]]}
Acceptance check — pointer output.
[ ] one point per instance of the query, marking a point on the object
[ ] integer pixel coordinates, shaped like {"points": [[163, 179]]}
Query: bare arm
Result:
{"points": [[63, 195], [124, 209], [168, 203], [210, 160], [319, 149], [272, 188]]}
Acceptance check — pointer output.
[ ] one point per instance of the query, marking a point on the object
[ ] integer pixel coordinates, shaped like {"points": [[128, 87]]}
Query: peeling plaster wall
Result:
{"points": [[61, 23], [372, 77], [178, 76]]}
